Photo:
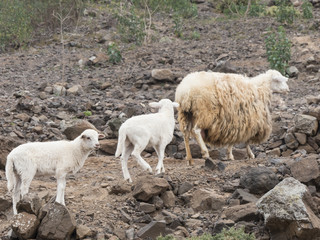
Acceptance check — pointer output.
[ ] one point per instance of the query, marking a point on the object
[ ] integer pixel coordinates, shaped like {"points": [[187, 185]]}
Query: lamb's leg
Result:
{"points": [[124, 162], [26, 179], [160, 152], [61, 186], [229, 153], [249, 152], [16, 193], [186, 135], [136, 154], [204, 149]]}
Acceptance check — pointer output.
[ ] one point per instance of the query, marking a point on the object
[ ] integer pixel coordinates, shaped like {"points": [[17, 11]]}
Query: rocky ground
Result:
{"points": [[39, 102]]}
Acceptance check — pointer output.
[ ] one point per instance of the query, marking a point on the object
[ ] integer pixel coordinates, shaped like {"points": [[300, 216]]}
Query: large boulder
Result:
{"points": [[289, 211], [77, 128], [57, 223], [259, 180]]}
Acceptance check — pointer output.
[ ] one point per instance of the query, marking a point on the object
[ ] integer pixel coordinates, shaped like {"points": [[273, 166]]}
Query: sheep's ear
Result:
{"points": [[101, 136], [175, 104], [155, 105]]}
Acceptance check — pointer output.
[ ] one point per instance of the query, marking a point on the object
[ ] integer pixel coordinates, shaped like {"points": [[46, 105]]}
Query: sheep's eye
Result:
{"points": [[88, 138]]}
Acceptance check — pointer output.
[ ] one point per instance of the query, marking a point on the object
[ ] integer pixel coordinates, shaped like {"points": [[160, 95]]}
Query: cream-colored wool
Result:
{"points": [[228, 109]]}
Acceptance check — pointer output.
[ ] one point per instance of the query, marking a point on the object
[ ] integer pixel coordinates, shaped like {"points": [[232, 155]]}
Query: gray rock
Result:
{"points": [[77, 128], [120, 188], [83, 232], [152, 230], [301, 138], [5, 203], [306, 169], [184, 187], [291, 141], [59, 90], [147, 207], [289, 211], [130, 234], [306, 124], [75, 90], [57, 223], [169, 199], [147, 187], [244, 196], [24, 225], [30, 204], [108, 146], [246, 212], [6, 146], [162, 74], [292, 71], [203, 200], [259, 180]]}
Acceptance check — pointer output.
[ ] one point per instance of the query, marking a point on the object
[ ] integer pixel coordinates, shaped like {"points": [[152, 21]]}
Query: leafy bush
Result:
{"points": [[114, 53], [20, 20], [285, 13], [226, 234], [278, 49], [307, 9], [241, 7]]}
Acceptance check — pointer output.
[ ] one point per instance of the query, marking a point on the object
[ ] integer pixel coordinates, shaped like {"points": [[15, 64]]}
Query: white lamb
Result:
{"points": [[137, 132], [226, 109], [57, 158]]}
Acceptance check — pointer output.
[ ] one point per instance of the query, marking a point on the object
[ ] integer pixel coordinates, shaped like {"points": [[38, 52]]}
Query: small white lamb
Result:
{"points": [[57, 158], [137, 132]]}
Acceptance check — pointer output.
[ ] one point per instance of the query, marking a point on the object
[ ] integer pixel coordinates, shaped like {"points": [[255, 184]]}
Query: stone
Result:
{"points": [[259, 180], [305, 169], [306, 124], [184, 187], [83, 232], [289, 211], [291, 141], [6, 146], [108, 146], [292, 71], [115, 124], [24, 225], [244, 196], [57, 223], [77, 128], [59, 90], [147, 207], [221, 224], [169, 199], [246, 212], [120, 188], [301, 138], [152, 230], [30, 204], [203, 200], [276, 152], [162, 74], [5, 203], [75, 90], [130, 234], [147, 187], [23, 117]]}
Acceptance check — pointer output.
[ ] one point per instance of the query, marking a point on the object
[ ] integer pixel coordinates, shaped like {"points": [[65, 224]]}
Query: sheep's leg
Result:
{"points": [[160, 152], [204, 149], [229, 153], [136, 154], [124, 162], [187, 146], [249, 152], [16, 194], [26, 179], [61, 186]]}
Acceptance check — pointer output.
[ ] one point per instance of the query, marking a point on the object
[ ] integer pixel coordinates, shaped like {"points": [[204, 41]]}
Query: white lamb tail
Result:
{"points": [[10, 174], [121, 142]]}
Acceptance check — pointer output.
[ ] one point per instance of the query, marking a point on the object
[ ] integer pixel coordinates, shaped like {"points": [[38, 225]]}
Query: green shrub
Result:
{"points": [[240, 8], [285, 13], [114, 53], [278, 49], [307, 9], [87, 113]]}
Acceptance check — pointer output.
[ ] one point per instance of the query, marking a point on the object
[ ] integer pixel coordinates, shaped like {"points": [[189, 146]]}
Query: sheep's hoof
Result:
{"points": [[191, 162]]}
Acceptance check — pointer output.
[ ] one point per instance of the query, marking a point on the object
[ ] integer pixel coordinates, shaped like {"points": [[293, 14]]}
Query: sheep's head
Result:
{"points": [[90, 139], [278, 82], [164, 104]]}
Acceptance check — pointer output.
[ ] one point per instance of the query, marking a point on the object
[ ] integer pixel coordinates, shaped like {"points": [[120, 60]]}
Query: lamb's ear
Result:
{"points": [[101, 136], [280, 78], [155, 105], [175, 104]]}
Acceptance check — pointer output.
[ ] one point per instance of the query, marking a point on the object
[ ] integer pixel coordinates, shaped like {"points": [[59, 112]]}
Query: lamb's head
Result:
{"points": [[278, 81], [164, 104], [90, 139]]}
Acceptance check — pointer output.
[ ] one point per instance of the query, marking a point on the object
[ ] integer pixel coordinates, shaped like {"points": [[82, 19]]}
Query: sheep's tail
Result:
{"points": [[10, 174], [121, 142]]}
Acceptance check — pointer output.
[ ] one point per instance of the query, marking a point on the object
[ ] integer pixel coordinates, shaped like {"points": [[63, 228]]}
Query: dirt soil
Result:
{"points": [[240, 41]]}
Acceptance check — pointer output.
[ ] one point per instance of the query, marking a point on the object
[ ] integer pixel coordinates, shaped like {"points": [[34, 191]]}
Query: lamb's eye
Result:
{"points": [[88, 138]]}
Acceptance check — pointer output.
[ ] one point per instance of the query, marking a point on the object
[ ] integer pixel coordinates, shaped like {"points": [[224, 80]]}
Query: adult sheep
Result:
{"points": [[57, 158], [223, 109]]}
